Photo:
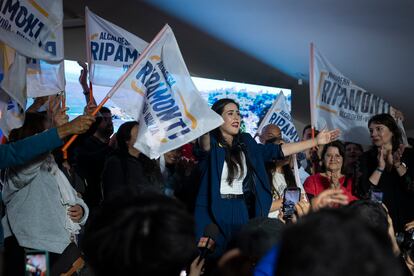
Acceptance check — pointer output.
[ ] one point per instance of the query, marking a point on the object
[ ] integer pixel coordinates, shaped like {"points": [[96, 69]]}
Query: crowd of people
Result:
{"points": [[221, 205]]}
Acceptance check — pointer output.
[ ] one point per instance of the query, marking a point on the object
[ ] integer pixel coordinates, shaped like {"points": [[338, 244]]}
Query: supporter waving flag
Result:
{"points": [[157, 89], [111, 50], [28, 29], [337, 102]]}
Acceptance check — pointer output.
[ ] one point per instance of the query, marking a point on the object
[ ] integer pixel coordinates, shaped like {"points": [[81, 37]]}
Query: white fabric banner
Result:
{"points": [[111, 50], [336, 102], [47, 78], [159, 91], [13, 90], [279, 115], [28, 26]]}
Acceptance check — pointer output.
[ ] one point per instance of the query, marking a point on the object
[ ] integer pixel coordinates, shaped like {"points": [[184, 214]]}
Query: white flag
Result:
{"points": [[158, 89], [111, 50], [46, 78], [27, 26], [336, 102], [279, 115], [13, 90]]}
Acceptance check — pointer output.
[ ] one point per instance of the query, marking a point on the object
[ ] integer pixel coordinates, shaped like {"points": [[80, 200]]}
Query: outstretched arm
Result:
{"points": [[324, 137]]}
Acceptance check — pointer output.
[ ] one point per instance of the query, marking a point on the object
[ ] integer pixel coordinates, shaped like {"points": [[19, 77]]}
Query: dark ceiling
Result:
{"points": [[266, 42]]}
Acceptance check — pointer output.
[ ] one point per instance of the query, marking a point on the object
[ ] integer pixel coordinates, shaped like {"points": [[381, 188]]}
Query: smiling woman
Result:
{"points": [[332, 175], [234, 185]]}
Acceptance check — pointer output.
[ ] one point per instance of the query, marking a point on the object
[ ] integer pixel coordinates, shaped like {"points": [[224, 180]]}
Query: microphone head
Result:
{"points": [[211, 231]]}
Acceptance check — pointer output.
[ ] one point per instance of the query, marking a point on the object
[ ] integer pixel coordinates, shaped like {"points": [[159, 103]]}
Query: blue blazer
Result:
{"points": [[209, 204]]}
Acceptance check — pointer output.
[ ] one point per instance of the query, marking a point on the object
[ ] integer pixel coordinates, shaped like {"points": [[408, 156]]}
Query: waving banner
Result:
{"points": [[159, 91], [279, 115], [336, 102], [30, 26], [47, 78], [111, 50], [13, 91]]}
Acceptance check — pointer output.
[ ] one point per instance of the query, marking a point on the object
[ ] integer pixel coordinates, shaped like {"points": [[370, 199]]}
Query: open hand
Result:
{"points": [[325, 136]]}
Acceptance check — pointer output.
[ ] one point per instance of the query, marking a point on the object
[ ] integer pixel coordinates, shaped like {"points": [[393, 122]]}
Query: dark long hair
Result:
{"points": [[123, 135], [341, 148], [234, 151], [388, 121], [287, 173]]}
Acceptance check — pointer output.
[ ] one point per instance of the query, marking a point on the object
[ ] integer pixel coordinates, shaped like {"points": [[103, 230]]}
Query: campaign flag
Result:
{"points": [[46, 78], [111, 50], [279, 115], [157, 89], [13, 90], [30, 25], [337, 102]]}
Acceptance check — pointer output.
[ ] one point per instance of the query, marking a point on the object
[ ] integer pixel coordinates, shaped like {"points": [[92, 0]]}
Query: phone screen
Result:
{"points": [[36, 263], [376, 196], [292, 196]]}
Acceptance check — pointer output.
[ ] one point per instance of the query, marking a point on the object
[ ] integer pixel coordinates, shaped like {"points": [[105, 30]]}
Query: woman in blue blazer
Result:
{"points": [[234, 186]]}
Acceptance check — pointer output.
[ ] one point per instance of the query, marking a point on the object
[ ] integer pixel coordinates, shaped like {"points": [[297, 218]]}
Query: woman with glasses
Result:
{"points": [[332, 176]]}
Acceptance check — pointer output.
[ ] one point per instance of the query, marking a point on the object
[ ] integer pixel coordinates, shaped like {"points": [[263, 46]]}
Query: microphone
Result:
{"points": [[207, 241]]}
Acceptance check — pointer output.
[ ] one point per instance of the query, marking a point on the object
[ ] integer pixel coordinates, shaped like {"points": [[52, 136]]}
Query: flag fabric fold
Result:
{"points": [[158, 91]]}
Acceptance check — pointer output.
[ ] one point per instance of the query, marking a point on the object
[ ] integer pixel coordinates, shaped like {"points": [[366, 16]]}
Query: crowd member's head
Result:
{"points": [[172, 157], [126, 137], [257, 237], [105, 127], [384, 131], [34, 123], [335, 242], [228, 136], [372, 212], [147, 234], [271, 134], [377, 216], [333, 156], [352, 152], [307, 133]]}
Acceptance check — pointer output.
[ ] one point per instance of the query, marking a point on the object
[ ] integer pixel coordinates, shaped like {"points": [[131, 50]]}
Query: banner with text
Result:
{"points": [[159, 91], [336, 102], [279, 115], [30, 26], [111, 50]]}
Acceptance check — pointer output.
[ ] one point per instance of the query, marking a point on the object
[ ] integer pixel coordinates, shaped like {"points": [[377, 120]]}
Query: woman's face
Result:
{"points": [[333, 160], [172, 157], [380, 134], [352, 152], [133, 139], [231, 117]]}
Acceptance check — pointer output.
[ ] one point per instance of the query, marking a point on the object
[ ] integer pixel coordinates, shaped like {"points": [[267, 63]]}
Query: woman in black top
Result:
{"points": [[388, 167], [127, 168]]}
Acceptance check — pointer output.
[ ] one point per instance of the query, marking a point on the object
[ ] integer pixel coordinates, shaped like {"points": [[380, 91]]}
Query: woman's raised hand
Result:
{"points": [[325, 136]]}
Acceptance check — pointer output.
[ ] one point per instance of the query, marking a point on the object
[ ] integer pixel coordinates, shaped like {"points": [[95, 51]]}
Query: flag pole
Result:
{"points": [[311, 99], [119, 83]]}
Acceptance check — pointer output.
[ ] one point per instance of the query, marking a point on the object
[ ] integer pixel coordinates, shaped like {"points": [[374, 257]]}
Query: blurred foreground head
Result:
{"points": [[147, 234], [335, 242]]}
